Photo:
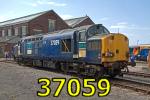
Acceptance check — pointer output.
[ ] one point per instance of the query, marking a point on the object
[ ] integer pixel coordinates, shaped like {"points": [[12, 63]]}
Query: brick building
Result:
{"points": [[48, 21], [12, 30]]}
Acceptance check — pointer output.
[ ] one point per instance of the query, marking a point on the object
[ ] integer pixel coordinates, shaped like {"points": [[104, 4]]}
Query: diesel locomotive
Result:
{"points": [[89, 50]]}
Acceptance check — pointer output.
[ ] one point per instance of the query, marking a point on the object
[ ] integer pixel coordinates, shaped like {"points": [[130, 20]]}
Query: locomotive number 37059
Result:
{"points": [[54, 42]]}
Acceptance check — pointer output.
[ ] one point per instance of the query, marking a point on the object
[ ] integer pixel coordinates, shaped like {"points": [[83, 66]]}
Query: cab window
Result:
{"points": [[94, 45], [66, 45], [97, 29], [82, 36]]}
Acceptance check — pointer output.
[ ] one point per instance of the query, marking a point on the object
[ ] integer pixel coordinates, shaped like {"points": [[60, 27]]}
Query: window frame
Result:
{"points": [[16, 31], [53, 22], [79, 35], [9, 32], [92, 45], [24, 30], [3, 33], [70, 49]]}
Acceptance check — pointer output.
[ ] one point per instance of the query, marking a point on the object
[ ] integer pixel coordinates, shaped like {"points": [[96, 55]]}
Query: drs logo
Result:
{"points": [[54, 42]]}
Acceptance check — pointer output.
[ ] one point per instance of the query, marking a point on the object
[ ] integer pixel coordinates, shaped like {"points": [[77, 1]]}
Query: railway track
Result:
{"points": [[138, 74], [136, 81], [133, 84]]}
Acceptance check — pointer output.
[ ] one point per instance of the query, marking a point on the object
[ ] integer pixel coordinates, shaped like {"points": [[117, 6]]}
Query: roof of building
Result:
{"points": [[10, 39], [75, 21], [22, 19], [14, 40]]}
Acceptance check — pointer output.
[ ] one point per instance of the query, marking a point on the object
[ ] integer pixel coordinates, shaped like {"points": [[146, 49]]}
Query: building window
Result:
{"points": [[6, 32], [24, 30], [9, 32], [16, 31], [51, 25], [3, 33]]}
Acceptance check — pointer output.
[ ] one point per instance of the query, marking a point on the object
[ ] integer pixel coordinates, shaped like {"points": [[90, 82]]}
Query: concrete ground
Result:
{"points": [[20, 83], [140, 67]]}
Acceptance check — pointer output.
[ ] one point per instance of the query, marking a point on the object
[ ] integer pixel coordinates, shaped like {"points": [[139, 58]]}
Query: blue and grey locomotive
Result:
{"points": [[89, 50]]}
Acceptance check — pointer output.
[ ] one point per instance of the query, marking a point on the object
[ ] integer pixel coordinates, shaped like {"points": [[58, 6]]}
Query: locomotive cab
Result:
{"points": [[94, 50], [109, 51], [83, 35]]}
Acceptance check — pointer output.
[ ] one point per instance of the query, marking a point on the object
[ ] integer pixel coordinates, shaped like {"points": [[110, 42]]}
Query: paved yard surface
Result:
{"points": [[140, 67], [20, 83]]}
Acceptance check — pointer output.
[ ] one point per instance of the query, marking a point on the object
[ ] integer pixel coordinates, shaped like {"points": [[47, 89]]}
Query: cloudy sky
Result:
{"points": [[130, 17]]}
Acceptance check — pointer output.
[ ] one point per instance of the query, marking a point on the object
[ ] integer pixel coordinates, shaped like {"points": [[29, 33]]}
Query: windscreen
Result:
{"points": [[94, 45], [96, 30]]}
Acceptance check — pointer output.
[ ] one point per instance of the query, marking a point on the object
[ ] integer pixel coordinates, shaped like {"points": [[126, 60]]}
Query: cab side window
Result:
{"points": [[20, 45], [82, 36], [94, 45], [66, 45]]}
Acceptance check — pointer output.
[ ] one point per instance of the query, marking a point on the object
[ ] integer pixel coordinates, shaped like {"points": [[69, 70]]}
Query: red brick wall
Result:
{"points": [[8, 47], [41, 22], [87, 21], [19, 28]]}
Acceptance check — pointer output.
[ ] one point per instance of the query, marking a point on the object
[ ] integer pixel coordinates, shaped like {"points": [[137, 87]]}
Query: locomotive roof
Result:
{"points": [[97, 37], [60, 33], [32, 36], [83, 27], [66, 32]]}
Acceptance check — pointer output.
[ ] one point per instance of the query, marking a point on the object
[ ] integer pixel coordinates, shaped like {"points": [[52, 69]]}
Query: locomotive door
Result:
{"points": [[19, 48], [82, 43], [18, 53], [94, 51]]}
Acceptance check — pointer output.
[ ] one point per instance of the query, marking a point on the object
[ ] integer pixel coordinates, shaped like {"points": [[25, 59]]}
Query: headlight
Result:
{"points": [[138, 55], [109, 54], [99, 56]]}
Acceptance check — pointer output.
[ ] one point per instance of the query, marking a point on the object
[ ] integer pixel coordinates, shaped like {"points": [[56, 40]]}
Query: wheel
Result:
{"points": [[19, 61], [64, 68], [115, 70], [58, 66], [99, 74]]}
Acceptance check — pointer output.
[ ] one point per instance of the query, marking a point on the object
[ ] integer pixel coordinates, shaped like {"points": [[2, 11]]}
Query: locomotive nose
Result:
{"points": [[115, 48]]}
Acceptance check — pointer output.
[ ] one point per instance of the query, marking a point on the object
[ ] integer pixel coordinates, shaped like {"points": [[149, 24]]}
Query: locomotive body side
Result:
{"points": [[59, 47]]}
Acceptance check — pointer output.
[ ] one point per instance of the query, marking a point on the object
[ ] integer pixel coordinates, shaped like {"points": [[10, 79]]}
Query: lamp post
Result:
{"points": [[137, 42]]}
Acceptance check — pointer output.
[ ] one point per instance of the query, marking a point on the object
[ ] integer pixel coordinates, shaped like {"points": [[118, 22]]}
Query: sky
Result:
{"points": [[129, 17]]}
